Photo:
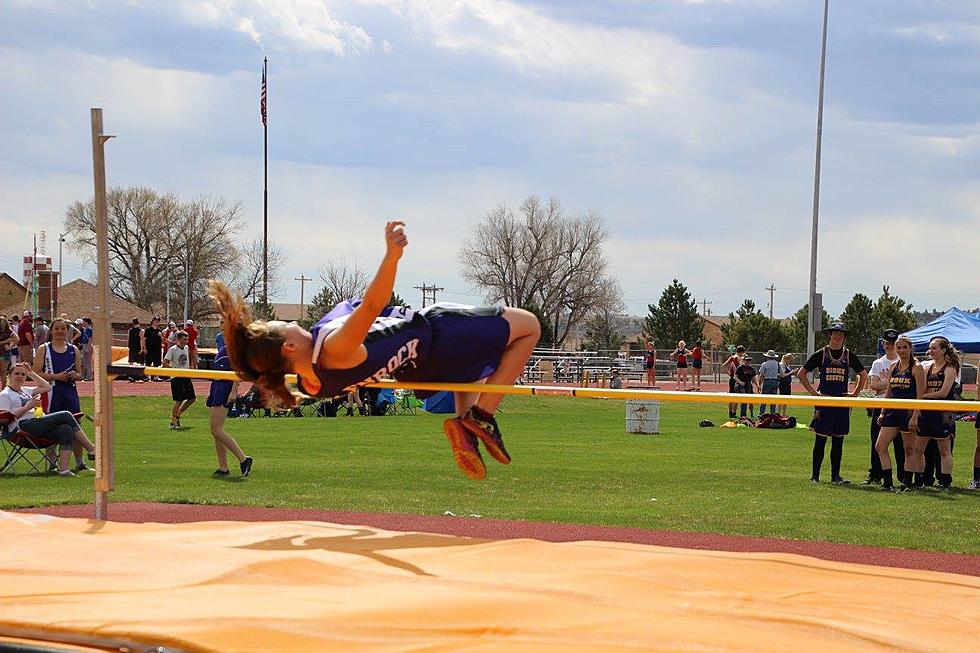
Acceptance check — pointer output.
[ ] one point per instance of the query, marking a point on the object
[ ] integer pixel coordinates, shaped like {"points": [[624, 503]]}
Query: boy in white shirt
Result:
{"points": [[181, 389]]}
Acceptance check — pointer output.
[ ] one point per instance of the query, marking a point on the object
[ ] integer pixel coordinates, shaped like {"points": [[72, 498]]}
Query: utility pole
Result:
{"points": [[772, 289], [428, 289], [302, 296], [704, 307]]}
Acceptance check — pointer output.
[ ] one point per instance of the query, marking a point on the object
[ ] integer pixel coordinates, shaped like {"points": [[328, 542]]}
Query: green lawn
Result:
{"points": [[573, 462]]}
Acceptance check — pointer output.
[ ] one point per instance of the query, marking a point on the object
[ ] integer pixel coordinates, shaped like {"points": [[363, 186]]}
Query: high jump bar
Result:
{"points": [[592, 393]]}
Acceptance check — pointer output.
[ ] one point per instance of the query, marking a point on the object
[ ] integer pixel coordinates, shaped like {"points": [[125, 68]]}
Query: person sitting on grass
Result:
{"points": [[363, 341], [20, 401], [181, 389]]}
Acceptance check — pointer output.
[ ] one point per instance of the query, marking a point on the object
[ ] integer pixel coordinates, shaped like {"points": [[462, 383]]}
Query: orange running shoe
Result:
{"points": [[482, 424], [465, 451]]}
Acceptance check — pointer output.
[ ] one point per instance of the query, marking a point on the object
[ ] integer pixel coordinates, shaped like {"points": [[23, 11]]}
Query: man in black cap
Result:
{"points": [[878, 379], [834, 363]]}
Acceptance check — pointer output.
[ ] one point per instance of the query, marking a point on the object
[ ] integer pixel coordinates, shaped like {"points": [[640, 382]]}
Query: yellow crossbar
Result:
{"points": [[602, 393]]}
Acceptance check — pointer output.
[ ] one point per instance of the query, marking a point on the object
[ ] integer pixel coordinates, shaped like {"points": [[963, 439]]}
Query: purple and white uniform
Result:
{"points": [[443, 342]]}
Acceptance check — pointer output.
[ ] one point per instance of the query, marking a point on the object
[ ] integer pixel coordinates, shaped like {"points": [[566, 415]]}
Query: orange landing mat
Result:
{"points": [[309, 586]]}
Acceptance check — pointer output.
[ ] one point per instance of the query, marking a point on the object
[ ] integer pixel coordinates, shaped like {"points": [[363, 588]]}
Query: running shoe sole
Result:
{"points": [[493, 447], [463, 444]]}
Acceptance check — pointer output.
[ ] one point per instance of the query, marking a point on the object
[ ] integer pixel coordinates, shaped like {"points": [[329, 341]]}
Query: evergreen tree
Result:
{"points": [[798, 326], [262, 310], [754, 331], [321, 304], [675, 317], [891, 312], [396, 300], [862, 330]]}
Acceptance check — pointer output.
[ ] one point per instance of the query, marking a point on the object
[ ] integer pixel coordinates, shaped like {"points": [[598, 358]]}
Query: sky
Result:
{"points": [[689, 125]]}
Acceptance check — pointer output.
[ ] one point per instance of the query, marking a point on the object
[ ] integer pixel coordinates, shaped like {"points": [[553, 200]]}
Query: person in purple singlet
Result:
{"points": [[365, 340]]}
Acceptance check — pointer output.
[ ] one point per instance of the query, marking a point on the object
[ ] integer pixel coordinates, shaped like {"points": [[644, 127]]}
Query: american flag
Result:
{"points": [[262, 104]]}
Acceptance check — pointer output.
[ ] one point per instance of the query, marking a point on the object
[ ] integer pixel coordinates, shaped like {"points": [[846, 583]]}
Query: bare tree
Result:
{"points": [[248, 277], [343, 279], [540, 257], [149, 233]]}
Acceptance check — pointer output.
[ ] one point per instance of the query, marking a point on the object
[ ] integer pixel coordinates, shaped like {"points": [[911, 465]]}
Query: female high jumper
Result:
{"points": [[362, 341]]}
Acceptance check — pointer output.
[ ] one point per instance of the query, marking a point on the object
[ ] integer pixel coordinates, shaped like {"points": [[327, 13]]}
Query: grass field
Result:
{"points": [[573, 462]]}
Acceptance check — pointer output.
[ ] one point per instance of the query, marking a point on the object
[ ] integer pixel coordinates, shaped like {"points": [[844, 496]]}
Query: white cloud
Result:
{"points": [[309, 24]]}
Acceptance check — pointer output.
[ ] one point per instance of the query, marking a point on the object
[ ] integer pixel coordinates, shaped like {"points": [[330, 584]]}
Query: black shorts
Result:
{"points": [[731, 384], [696, 364], [681, 366], [933, 424], [896, 418], [182, 389], [650, 365], [833, 421]]}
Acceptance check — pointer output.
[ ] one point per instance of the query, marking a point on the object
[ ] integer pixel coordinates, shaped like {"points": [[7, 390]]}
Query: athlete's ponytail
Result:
{"points": [[949, 352], [254, 347]]}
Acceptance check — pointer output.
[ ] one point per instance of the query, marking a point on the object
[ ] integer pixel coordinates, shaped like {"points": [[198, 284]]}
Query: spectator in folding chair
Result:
{"points": [[20, 401]]}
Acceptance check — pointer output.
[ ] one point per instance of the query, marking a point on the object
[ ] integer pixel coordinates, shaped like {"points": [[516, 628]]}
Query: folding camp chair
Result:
{"points": [[406, 403], [19, 445]]}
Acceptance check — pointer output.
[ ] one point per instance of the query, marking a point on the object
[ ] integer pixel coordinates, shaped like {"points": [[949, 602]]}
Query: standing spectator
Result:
{"points": [[680, 355], [76, 333], [697, 361], [878, 379], [785, 380], [25, 338], [745, 381], [181, 389], [906, 380], [651, 363], [769, 379], [8, 341], [834, 363], [170, 336], [88, 348], [41, 332], [72, 329], [220, 400], [731, 364], [134, 341], [940, 375], [191, 341], [57, 362], [152, 345]]}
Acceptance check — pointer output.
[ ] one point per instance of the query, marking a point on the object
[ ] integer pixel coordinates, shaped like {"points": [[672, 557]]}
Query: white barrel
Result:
{"points": [[642, 416]]}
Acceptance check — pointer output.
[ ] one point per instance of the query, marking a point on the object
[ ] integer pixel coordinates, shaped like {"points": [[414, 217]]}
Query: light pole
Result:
{"points": [[816, 311], [187, 291], [166, 267]]}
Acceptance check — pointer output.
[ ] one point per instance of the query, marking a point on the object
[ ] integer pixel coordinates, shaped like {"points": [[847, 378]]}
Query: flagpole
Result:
{"points": [[265, 191]]}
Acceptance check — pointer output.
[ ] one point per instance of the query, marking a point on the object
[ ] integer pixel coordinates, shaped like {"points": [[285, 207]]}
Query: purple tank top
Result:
{"points": [[396, 341]]}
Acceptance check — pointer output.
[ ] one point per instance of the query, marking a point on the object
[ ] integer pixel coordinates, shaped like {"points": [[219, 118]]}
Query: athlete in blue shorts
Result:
{"points": [[363, 341], [834, 363]]}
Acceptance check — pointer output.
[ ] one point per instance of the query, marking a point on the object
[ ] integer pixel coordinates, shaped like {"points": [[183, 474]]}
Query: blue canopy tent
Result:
{"points": [[959, 327]]}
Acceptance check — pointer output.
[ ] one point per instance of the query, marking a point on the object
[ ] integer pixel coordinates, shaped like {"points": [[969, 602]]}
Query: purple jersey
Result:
{"points": [[442, 342]]}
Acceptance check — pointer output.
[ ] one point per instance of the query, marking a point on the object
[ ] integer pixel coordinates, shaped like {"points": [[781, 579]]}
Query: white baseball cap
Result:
{"points": [[189, 322]]}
